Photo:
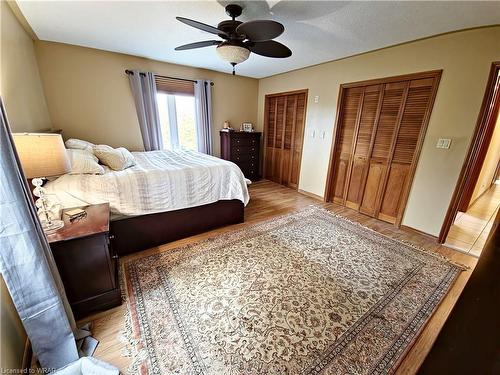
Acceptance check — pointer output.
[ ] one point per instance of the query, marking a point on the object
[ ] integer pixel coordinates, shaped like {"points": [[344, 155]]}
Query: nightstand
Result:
{"points": [[86, 262]]}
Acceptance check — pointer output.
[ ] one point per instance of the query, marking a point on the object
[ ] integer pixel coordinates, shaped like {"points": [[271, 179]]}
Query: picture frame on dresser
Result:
{"points": [[247, 127], [243, 149]]}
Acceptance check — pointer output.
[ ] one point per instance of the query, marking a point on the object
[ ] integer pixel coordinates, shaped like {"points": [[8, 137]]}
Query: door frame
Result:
{"points": [[436, 74], [477, 150], [266, 124]]}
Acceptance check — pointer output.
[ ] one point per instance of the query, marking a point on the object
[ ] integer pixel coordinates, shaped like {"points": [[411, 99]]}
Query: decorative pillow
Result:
{"points": [[117, 159], [78, 144], [84, 162]]}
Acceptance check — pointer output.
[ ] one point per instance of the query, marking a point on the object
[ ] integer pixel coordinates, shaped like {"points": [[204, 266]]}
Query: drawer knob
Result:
{"points": [[115, 256], [111, 236]]}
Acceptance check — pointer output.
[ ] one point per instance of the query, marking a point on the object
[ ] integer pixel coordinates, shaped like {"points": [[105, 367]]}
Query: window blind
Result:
{"points": [[174, 86]]}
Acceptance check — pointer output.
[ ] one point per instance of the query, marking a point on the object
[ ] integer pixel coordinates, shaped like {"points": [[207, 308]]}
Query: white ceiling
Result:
{"points": [[316, 31]]}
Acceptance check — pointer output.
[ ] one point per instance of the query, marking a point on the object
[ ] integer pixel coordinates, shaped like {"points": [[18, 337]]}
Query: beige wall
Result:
{"points": [[490, 164], [22, 92], [89, 96], [20, 86], [465, 58], [12, 335]]}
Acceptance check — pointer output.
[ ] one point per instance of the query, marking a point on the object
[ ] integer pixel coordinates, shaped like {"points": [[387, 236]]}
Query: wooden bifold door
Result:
{"points": [[380, 128], [284, 117]]}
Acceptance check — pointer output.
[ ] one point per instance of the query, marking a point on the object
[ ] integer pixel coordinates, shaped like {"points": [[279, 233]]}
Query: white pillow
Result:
{"points": [[84, 162], [117, 159], [78, 144]]}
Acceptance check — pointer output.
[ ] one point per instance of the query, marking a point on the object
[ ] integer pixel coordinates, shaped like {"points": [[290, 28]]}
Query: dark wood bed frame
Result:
{"points": [[146, 231]]}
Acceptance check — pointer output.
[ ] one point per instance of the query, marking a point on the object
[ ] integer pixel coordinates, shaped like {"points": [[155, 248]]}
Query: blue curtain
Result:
{"points": [[143, 87], [27, 265], [203, 98]]}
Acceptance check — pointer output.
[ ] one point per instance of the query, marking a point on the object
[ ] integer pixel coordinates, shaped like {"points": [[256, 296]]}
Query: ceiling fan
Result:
{"points": [[240, 38]]}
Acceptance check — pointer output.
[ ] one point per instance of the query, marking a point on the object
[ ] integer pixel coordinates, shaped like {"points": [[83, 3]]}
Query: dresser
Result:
{"points": [[86, 262], [243, 149]]}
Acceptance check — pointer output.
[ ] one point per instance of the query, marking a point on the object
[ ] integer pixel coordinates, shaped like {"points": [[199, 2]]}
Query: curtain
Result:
{"points": [[203, 100], [27, 265], [144, 91]]}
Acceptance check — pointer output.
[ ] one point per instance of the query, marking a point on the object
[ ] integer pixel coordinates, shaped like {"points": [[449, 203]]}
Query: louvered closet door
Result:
{"points": [[351, 103], [359, 160], [284, 126], [416, 106], [270, 138], [380, 128], [392, 106]]}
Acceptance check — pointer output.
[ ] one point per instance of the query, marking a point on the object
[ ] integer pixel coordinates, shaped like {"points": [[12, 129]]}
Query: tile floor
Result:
{"points": [[470, 229]]}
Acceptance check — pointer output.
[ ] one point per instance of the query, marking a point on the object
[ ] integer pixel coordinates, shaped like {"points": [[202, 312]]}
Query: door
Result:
{"points": [[283, 136], [379, 132]]}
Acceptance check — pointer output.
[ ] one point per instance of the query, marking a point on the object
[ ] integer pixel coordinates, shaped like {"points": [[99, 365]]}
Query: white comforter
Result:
{"points": [[160, 181]]}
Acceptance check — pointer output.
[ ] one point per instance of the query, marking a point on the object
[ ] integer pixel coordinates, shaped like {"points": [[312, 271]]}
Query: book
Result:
{"points": [[75, 212]]}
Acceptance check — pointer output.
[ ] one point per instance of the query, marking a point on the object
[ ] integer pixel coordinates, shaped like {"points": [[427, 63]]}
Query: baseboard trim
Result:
{"points": [[310, 195], [410, 229], [27, 356]]}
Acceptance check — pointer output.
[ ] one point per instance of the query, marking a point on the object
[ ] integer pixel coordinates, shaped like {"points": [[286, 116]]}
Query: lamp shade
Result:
{"points": [[42, 154]]}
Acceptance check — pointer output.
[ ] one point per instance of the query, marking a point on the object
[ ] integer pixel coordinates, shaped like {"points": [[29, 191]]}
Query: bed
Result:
{"points": [[166, 196]]}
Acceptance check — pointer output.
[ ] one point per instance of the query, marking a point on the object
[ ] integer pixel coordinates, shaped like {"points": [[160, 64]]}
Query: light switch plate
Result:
{"points": [[316, 99], [443, 143]]}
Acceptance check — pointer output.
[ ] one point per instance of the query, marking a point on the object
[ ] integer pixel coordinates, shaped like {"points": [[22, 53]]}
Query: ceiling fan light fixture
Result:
{"points": [[233, 54]]}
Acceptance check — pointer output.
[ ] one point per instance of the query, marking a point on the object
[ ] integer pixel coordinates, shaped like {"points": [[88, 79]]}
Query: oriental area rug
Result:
{"points": [[305, 293]]}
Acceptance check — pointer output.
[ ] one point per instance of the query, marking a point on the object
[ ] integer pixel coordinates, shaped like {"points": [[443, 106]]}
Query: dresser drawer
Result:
{"points": [[244, 141], [243, 150], [243, 158], [248, 166]]}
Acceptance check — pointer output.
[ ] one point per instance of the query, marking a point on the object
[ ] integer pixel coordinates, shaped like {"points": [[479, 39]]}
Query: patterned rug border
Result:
{"points": [[130, 334]]}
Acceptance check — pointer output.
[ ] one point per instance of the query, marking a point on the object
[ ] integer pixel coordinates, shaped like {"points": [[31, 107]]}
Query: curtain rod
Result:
{"points": [[127, 71]]}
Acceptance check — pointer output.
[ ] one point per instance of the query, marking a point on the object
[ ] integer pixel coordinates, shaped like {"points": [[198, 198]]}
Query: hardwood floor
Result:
{"points": [[470, 229], [267, 200]]}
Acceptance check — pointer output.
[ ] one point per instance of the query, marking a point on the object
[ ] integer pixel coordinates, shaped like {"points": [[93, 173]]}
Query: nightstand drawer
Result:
{"points": [[85, 267]]}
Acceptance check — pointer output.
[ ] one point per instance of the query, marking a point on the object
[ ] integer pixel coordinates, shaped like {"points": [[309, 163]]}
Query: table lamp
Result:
{"points": [[42, 155]]}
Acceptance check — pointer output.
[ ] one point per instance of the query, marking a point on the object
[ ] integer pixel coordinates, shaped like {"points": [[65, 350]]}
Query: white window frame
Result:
{"points": [[172, 120]]}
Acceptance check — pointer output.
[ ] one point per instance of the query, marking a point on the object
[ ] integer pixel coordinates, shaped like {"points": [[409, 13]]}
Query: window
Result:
{"points": [[178, 121]]}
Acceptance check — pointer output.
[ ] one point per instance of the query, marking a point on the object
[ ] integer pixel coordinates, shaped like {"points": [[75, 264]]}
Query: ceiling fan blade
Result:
{"points": [[260, 30], [202, 26], [270, 48], [205, 43]]}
